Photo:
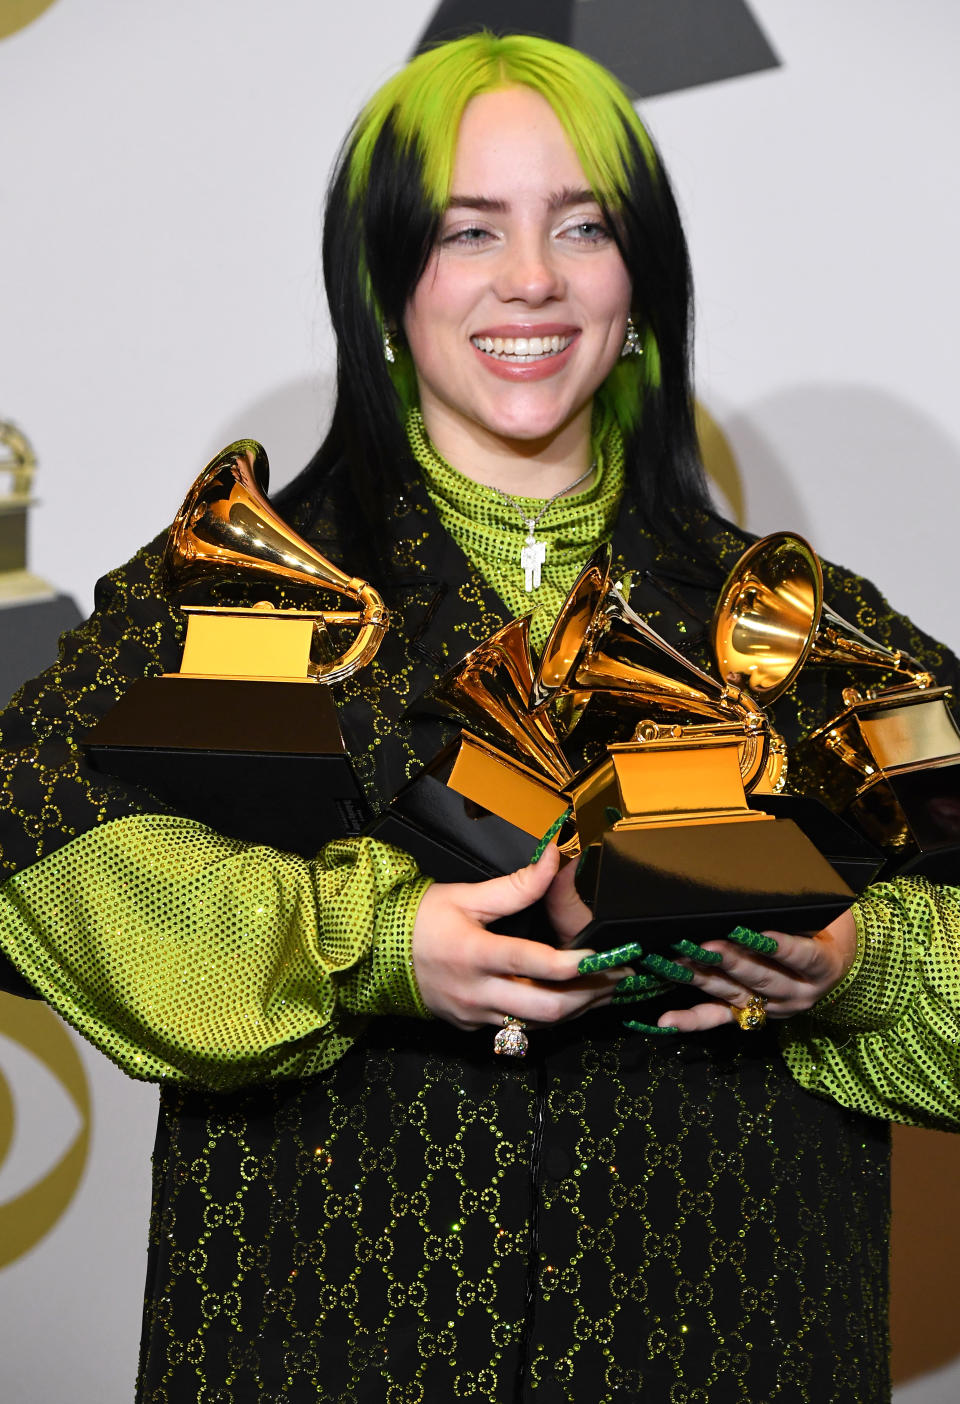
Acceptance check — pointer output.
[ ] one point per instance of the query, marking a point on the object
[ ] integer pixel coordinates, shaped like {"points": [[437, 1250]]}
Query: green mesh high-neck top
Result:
{"points": [[490, 530]]}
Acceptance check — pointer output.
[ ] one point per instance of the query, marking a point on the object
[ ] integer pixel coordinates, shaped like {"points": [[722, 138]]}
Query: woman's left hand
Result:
{"points": [[801, 971]]}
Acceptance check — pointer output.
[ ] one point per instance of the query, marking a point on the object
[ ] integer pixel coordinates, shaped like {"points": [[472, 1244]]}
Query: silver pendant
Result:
{"points": [[532, 556]]}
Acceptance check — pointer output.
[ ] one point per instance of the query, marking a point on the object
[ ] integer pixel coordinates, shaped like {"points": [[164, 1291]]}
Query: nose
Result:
{"points": [[529, 272]]}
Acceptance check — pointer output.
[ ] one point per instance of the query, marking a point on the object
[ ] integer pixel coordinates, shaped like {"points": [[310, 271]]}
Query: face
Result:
{"points": [[520, 314]]}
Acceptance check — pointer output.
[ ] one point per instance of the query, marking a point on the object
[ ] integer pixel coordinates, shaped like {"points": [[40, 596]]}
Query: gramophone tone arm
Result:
{"points": [[373, 618]]}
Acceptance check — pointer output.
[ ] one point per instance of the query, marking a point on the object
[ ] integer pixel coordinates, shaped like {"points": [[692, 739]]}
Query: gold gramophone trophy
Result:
{"points": [[245, 736], [688, 854], [480, 806], [890, 761], [18, 585]]}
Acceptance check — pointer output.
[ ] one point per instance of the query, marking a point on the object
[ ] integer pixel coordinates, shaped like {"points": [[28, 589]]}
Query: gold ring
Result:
{"points": [[752, 1015], [511, 1039]]}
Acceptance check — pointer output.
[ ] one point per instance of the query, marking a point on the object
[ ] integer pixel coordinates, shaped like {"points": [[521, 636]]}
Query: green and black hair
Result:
{"points": [[386, 200]]}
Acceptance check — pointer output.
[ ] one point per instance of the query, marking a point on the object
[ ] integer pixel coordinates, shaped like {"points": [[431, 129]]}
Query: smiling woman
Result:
{"points": [[355, 1198]]}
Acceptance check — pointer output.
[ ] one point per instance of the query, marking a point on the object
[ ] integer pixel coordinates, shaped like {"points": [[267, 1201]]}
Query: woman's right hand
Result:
{"points": [[471, 976]]}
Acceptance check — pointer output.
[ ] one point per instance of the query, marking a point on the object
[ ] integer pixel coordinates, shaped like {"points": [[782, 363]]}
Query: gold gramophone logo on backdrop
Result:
{"points": [[17, 584], [17, 14], [32, 1209]]}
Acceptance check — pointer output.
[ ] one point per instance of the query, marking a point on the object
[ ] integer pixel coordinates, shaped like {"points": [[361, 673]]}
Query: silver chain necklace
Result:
{"points": [[533, 552]]}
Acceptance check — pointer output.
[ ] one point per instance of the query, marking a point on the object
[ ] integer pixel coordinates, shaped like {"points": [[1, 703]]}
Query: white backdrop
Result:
{"points": [[161, 175]]}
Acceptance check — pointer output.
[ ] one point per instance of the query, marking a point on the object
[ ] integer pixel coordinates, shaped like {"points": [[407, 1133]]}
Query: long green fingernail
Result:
{"points": [[649, 1028], [634, 988], [549, 836], [639, 982], [692, 951], [669, 969], [638, 996], [612, 814], [606, 960], [753, 940]]}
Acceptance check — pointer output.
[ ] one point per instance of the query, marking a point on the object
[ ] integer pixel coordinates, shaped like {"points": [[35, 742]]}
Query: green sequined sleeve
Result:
{"points": [[190, 957], [886, 1041]]}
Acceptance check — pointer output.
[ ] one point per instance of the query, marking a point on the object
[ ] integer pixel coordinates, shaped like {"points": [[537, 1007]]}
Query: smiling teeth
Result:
{"points": [[521, 349]]}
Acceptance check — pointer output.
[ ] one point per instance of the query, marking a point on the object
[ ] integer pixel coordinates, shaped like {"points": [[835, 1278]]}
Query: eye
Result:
{"points": [[468, 236], [586, 231]]}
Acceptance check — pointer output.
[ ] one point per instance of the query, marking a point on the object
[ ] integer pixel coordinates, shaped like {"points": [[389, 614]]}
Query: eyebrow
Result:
{"points": [[560, 200]]}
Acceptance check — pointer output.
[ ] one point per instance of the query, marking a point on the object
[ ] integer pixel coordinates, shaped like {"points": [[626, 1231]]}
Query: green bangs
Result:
{"points": [[426, 101]]}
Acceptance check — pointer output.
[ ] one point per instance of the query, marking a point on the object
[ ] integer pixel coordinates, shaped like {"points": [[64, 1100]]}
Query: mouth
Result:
{"points": [[522, 350]]}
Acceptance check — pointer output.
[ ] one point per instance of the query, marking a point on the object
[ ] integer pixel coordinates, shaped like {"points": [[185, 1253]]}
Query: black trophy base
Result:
{"points": [[656, 885], [453, 840], [258, 760], [845, 847], [921, 805]]}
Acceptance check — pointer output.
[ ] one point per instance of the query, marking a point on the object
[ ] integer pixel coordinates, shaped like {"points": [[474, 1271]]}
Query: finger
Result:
{"points": [[567, 911], [699, 1017], [797, 969], [502, 896], [744, 979], [511, 956], [764, 943], [802, 955], [539, 1003]]}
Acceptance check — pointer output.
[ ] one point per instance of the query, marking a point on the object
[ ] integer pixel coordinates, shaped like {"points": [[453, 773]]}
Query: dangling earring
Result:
{"points": [[389, 350], [632, 345]]}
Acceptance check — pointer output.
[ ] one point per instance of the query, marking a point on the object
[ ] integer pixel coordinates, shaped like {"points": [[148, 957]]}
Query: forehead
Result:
{"points": [[512, 139]]}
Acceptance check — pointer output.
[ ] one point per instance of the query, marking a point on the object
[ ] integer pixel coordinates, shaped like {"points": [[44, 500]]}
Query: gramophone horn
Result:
{"points": [[771, 619], [489, 692], [599, 644], [226, 526]]}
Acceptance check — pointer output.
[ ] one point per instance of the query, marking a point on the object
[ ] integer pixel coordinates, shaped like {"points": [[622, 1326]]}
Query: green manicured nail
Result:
{"points": [[633, 988], [549, 836], [612, 814], [669, 969], [692, 951], [646, 988], [649, 1028], [753, 940], [606, 960]]}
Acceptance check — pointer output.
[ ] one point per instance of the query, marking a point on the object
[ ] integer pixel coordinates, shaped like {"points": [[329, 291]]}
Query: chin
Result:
{"points": [[529, 427]]}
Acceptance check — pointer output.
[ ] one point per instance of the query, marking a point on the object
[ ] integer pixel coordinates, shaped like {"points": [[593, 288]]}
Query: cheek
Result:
{"points": [[617, 292], [439, 300]]}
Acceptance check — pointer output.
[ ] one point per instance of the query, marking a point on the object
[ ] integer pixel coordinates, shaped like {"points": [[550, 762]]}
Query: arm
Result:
{"points": [[187, 956], [870, 1005], [886, 1040]]}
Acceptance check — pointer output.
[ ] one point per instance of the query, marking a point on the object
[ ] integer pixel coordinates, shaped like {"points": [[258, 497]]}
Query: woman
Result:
{"points": [[400, 1215]]}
